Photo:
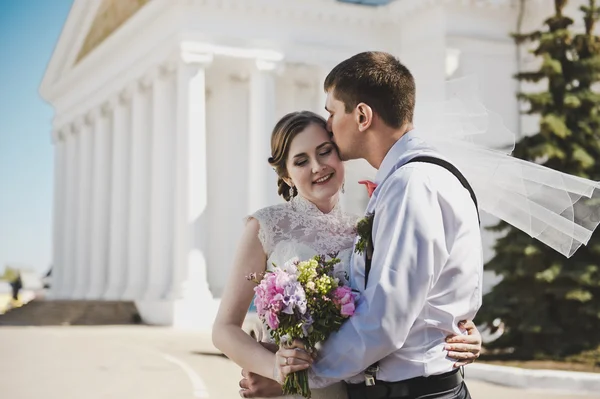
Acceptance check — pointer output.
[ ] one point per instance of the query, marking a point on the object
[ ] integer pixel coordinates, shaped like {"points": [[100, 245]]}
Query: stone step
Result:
{"points": [[42, 312]]}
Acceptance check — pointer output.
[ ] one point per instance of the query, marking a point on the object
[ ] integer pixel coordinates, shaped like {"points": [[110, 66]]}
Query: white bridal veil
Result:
{"points": [[558, 209]]}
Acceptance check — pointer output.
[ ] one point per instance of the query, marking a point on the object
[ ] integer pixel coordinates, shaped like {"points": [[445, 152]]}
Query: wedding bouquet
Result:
{"points": [[303, 300]]}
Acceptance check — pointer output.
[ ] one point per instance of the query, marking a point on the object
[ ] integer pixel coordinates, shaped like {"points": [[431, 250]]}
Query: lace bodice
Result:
{"points": [[300, 226], [299, 229]]}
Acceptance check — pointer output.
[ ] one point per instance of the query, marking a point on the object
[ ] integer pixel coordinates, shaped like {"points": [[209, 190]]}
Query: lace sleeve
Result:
{"points": [[266, 230]]}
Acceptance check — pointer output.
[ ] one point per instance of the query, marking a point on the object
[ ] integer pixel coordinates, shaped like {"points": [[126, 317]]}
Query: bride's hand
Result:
{"points": [[288, 360], [465, 348]]}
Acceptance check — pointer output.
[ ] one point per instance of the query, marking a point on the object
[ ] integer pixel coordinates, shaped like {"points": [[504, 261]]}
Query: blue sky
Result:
{"points": [[29, 30]]}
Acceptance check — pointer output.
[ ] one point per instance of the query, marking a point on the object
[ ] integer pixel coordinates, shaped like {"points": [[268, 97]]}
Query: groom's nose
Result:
{"points": [[331, 136]]}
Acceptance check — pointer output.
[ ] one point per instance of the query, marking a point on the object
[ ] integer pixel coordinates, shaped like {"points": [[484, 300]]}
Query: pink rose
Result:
{"points": [[343, 295], [348, 309], [344, 298]]}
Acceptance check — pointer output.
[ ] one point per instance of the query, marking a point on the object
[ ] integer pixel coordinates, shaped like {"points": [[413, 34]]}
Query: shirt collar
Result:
{"points": [[391, 159]]}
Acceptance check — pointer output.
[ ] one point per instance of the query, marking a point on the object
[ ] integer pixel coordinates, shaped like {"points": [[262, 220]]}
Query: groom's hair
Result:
{"points": [[377, 79]]}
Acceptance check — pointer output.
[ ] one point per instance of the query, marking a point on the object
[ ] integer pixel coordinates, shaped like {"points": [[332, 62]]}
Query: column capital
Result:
{"points": [[197, 58], [150, 76], [116, 99], [93, 115], [57, 135], [266, 65], [242, 76], [78, 124], [139, 84], [168, 68], [65, 131], [105, 108], [125, 94]]}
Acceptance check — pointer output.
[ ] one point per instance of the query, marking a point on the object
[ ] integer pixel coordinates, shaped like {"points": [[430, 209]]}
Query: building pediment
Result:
{"points": [[89, 24], [111, 14]]}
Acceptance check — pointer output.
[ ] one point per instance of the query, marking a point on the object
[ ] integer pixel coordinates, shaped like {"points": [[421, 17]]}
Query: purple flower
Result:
{"points": [[294, 298], [307, 322]]}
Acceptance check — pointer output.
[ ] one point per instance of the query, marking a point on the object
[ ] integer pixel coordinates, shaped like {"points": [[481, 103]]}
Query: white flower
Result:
{"points": [[286, 338], [291, 265]]}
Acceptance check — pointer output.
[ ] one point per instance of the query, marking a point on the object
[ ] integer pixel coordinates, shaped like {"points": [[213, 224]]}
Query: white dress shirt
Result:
{"points": [[426, 274]]}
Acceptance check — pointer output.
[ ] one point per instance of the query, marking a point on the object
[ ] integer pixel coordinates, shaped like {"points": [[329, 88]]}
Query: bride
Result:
{"points": [[311, 222]]}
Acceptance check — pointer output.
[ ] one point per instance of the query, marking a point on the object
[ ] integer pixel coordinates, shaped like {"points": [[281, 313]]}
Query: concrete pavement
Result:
{"points": [[127, 362]]}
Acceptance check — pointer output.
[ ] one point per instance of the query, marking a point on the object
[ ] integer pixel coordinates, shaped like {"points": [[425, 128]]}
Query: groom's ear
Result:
{"points": [[364, 116]]}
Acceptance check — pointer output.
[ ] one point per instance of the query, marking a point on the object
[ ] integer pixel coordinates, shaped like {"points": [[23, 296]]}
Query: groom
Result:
{"points": [[422, 271]]}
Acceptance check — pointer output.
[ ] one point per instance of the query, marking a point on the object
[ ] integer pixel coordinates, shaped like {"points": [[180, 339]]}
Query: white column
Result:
{"points": [[84, 199], [162, 183], [189, 272], [69, 275], [119, 199], [139, 192], [262, 179], [100, 204], [321, 96], [59, 227]]}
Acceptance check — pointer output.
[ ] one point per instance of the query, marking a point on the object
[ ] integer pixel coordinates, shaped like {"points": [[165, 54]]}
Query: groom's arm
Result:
{"points": [[409, 244]]}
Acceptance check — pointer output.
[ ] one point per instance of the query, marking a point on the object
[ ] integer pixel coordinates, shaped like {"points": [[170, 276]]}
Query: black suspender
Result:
{"points": [[372, 370], [452, 169]]}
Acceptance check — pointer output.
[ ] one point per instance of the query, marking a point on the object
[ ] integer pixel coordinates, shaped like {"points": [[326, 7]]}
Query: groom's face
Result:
{"points": [[343, 127]]}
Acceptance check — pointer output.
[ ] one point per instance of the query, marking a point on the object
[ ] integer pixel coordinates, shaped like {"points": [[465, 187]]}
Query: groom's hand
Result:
{"points": [[465, 348], [256, 386]]}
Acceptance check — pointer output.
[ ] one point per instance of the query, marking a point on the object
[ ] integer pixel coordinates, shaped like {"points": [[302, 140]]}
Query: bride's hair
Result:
{"points": [[283, 134]]}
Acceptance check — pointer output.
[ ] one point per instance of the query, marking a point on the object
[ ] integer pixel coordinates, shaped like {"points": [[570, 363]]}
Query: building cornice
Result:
{"points": [[333, 11]]}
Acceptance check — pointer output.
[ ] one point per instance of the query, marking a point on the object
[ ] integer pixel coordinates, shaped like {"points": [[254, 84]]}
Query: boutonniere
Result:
{"points": [[364, 228]]}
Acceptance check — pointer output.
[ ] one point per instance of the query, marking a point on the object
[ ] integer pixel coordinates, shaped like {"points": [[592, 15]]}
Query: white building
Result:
{"points": [[164, 108]]}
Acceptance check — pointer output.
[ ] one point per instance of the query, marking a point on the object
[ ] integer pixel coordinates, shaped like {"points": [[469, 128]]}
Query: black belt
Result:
{"points": [[414, 387]]}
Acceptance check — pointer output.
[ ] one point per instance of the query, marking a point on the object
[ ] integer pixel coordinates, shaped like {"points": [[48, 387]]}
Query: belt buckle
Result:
{"points": [[369, 380], [370, 375]]}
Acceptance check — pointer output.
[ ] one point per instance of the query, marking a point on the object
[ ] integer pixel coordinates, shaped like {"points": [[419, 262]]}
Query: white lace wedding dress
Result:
{"points": [[299, 229]]}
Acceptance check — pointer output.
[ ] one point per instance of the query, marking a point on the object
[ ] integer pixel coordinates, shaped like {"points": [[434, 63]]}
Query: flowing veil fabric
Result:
{"points": [[558, 209]]}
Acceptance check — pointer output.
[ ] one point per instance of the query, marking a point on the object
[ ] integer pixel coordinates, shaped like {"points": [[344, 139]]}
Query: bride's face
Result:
{"points": [[314, 166]]}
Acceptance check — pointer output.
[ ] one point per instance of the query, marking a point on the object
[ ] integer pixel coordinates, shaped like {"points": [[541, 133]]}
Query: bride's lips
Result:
{"points": [[323, 179]]}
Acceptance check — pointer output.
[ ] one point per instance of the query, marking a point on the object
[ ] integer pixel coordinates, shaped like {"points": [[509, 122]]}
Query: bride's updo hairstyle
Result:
{"points": [[283, 134]]}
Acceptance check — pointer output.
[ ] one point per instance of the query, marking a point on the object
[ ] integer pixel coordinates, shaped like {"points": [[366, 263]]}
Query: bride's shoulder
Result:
{"points": [[270, 211], [269, 221]]}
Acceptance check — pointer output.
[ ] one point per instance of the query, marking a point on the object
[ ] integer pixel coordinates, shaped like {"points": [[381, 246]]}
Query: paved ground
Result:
{"points": [[136, 362]]}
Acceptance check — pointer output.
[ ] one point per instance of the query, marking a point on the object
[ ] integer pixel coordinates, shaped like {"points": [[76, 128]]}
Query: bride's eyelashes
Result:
{"points": [[323, 153]]}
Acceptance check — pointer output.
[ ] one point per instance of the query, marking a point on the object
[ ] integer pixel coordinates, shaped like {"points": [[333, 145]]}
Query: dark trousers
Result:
{"points": [[460, 392]]}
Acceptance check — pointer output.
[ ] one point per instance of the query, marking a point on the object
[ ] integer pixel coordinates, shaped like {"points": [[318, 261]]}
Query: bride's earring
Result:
{"points": [[343, 189], [292, 192]]}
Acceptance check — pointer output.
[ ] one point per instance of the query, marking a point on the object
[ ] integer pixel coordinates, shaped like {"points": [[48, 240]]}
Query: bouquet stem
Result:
{"points": [[297, 384]]}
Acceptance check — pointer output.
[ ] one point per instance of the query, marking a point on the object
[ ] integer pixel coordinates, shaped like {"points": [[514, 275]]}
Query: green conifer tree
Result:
{"points": [[550, 304]]}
